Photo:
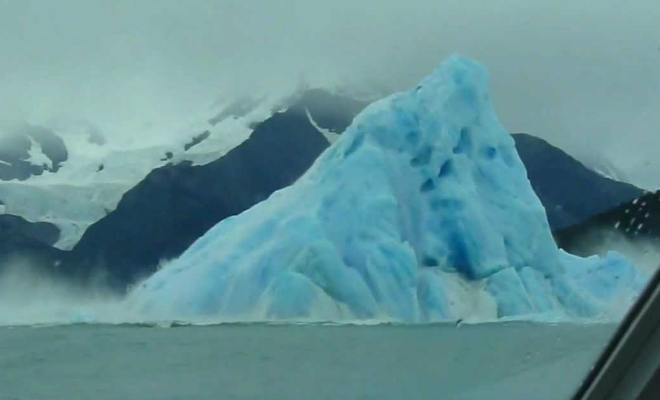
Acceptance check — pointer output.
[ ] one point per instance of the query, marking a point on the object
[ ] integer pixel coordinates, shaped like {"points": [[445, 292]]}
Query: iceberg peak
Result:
{"points": [[421, 211]]}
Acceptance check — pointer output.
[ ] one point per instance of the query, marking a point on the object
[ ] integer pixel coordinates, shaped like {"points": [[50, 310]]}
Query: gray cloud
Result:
{"points": [[583, 74]]}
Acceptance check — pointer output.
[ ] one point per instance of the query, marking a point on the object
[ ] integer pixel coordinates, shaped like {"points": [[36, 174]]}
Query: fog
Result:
{"points": [[583, 74], [28, 296]]}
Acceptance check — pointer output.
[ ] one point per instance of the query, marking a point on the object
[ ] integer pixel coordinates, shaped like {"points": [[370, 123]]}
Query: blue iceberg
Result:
{"points": [[421, 211]]}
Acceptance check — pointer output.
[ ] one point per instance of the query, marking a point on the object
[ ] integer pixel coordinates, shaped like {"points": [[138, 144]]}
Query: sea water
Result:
{"points": [[510, 360]]}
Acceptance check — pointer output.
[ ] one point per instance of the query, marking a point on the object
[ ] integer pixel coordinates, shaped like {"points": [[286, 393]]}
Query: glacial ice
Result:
{"points": [[80, 193], [421, 211]]}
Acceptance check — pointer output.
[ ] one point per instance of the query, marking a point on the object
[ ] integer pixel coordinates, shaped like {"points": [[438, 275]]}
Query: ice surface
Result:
{"points": [[421, 211]]}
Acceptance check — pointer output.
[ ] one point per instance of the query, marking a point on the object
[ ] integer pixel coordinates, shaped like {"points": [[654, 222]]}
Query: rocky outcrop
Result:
{"points": [[16, 143], [29, 241], [40, 232], [197, 139]]}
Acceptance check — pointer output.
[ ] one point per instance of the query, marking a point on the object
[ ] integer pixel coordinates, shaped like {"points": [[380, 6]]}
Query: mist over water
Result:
{"points": [[28, 297], [642, 252]]}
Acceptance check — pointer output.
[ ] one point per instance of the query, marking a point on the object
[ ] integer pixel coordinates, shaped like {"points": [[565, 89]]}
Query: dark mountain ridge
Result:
{"points": [[570, 192]]}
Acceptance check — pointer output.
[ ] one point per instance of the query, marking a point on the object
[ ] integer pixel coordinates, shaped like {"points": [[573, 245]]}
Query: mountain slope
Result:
{"points": [[570, 192], [22, 240], [42, 232]]}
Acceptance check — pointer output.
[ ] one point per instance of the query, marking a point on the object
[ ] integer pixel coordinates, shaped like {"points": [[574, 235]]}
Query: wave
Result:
{"points": [[531, 320]]}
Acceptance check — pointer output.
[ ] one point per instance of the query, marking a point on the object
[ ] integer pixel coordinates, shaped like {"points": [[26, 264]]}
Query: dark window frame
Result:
{"points": [[629, 367]]}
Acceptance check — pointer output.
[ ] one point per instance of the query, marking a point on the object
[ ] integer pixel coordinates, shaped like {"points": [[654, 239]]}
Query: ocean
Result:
{"points": [[504, 360]]}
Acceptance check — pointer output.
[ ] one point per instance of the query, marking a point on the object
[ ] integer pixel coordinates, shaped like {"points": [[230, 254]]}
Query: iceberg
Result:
{"points": [[420, 212]]}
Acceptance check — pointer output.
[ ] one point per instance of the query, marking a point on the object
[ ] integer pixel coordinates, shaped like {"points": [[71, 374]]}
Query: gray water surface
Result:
{"points": [[259, 361]]}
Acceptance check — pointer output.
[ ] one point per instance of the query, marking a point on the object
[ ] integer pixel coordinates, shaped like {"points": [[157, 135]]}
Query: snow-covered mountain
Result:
{"points": [[243, 153], [72, 176]]}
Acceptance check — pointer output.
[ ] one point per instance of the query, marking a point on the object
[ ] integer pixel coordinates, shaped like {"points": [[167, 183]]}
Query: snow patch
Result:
{"points": [[329, 135], [37, 156]]}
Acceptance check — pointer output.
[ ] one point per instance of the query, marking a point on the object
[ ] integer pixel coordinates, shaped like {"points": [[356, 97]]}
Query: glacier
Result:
{"points": [[421, 211], [92, 180]]}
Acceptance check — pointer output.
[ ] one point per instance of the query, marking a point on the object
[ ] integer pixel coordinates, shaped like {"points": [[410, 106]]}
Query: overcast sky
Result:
{"points": [[584, 74]]}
